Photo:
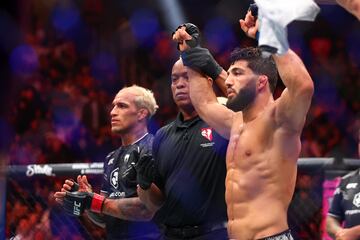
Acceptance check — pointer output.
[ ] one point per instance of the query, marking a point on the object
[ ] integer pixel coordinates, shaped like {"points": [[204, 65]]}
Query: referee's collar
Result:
{"points": [[181, 123]]}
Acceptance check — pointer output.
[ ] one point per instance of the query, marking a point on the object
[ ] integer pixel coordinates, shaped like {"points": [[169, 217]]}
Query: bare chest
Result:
{"points": [[248, 142]]}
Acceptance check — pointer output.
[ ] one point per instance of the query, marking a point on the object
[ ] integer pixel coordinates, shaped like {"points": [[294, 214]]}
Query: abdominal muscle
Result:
{"points": [[253, 215], [258, 194]]}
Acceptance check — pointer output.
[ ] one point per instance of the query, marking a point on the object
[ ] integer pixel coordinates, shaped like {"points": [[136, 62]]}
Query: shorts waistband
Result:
{"points": [[285, 235], [193, 231]]}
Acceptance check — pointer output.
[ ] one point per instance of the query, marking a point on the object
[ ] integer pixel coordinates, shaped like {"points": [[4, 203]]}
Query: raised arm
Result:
{"points": [[202, 67], [295, 100], [205, 102]]}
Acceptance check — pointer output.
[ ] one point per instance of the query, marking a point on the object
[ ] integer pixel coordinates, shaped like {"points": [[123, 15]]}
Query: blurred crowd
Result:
{"points": [[66, 78]]}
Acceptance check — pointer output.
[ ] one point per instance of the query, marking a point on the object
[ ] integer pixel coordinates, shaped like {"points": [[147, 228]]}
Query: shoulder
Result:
{"points": [[165, 130], [351, 177], [146, 141], [161, 135], [109, 159], [111, 154], [145, 144]]}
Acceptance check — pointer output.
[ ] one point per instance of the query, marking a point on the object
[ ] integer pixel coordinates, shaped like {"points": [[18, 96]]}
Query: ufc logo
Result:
{"points": [[77, 208]]}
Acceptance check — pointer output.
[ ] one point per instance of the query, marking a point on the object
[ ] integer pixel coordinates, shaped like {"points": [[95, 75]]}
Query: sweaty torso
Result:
{"points": [[261, 173]]}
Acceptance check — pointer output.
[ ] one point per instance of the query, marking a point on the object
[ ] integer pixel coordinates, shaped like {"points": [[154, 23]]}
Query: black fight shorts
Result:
{"points": [[285, 235]]}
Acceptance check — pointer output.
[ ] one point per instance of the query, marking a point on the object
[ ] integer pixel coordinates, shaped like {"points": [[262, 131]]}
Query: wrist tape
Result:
{"points": [[97, 202]]}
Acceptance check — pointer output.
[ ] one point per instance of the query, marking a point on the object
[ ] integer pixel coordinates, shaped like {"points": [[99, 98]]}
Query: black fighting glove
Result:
{"points": [[75, 186], [75, 203], [129, 174], [253, 8], [201, 59], [145, 169], [193, 31]]}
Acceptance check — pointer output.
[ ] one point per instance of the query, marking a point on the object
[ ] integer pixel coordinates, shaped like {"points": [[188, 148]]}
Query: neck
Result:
{"points": [[188, 113], [134, 135], [257, 107]]}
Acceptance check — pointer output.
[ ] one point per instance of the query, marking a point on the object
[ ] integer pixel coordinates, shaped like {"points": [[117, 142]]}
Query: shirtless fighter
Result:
{"points": [[264, 133]]}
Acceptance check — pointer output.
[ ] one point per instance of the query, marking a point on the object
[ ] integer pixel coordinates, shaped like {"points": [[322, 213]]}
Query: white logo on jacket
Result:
{"points": [[351, 185], [126, 158], [356, 200], [114, 178], [111, 161]]}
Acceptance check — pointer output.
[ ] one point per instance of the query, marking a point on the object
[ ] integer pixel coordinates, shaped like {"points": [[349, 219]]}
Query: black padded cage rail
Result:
{"points": [[304, 215]]}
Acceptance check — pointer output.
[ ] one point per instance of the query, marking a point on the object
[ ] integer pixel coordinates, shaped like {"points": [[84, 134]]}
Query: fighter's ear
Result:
{"points": [[142, 113], [262, 82]]}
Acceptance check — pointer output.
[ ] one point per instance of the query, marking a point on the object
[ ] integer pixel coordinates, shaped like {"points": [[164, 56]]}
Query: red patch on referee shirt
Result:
{"points": [[207, 133]]}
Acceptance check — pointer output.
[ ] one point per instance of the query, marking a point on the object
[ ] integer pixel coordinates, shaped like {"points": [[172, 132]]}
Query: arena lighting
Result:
{"points": [[23, 60], [173, 13]]}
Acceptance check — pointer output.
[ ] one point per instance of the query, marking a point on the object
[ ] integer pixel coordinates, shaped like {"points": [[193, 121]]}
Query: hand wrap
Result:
{"points": [[145, 171], [193, 31], [75, 203], [201, 59]]}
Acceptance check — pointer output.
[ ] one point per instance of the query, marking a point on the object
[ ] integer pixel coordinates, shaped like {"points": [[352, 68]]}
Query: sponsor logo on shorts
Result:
{"points": [[207, 133]]}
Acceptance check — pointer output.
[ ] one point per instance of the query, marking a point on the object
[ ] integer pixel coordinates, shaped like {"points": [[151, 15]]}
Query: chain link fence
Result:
{"points": [[32, 213]]}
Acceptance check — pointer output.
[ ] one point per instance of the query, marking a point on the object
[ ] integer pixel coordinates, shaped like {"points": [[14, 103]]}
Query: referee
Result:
{"points": [[189, 170]]}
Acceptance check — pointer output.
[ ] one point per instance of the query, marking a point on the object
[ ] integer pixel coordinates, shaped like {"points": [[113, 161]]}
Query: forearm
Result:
{"points": [[355, 231], [127, 208], [293, 73], [220, 82], [206, 105], [332, 226], [96, 218], [153, 198], [201, 92]]}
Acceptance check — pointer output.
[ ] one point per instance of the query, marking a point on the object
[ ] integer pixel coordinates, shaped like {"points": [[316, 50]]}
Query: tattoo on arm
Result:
{"points": [[96, 219], [128, 209]]}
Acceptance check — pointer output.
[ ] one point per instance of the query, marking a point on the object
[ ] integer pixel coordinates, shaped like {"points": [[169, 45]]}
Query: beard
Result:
{"points": [[244, 98]]}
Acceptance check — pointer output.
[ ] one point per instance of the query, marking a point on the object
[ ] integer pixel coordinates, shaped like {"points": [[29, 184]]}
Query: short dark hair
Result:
{"points": [[257, 63]]}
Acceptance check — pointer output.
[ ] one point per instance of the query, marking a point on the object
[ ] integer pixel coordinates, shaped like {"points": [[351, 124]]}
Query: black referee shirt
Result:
{"points": [[345, 205], [190, 160], [120, 182]]}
